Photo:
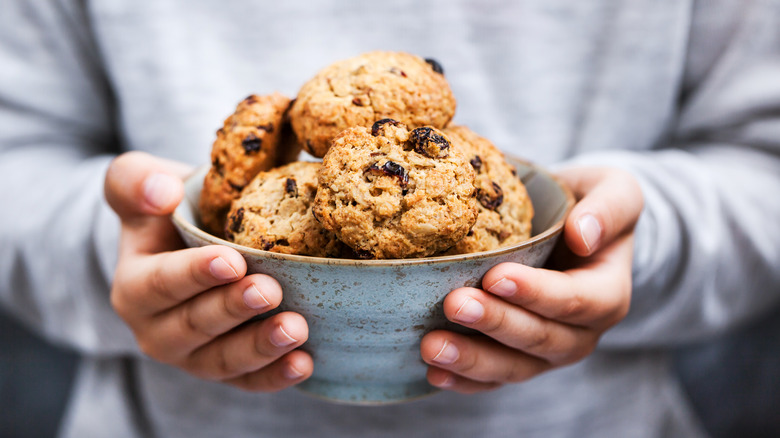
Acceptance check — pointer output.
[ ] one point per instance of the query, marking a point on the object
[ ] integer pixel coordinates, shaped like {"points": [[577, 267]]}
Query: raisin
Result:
{"points": [[250, 99], [390, 168], [470, 233], [397, 71], [268, 127], [266, 244], [428, 142], [291, 187], [476, 163], [357, 101], [380, 123], [489, 200], [251, 143], [435, 65], [235, 224], [364, 254]]}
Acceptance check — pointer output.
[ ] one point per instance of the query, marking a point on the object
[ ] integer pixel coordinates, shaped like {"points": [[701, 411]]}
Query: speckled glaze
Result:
{"points": [[366, 317]]}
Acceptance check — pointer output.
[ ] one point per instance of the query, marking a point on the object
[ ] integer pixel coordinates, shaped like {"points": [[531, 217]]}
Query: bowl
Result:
{"points": [[366, 317]]}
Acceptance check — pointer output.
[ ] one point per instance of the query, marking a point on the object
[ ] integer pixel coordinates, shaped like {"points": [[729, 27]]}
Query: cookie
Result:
{"points": [[274, 214], [370, 87], [249, 141], [505, 210], [388, 192]]}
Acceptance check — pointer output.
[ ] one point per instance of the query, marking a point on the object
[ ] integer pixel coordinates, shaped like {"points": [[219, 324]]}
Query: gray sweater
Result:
{"points": [[684, 95]]}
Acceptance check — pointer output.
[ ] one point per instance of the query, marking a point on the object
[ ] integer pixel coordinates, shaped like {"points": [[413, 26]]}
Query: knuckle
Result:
{"points": [[188, 325], [158, 283], [514, 373], [495, 322], [223, 367], [579, 352], [466, 364], [538, 341], [574, 307], [196, 275], [231, 309]]}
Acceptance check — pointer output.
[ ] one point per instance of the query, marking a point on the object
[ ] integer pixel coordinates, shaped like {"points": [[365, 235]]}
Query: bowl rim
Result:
{"points": [[550, 232]]}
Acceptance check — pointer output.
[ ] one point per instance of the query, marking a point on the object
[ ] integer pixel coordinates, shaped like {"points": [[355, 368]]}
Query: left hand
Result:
{"points": [[534, 319]]}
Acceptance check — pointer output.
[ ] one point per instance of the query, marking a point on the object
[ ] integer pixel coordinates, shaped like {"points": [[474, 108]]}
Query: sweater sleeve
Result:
{"points": [[57, 234], [707, 253]]}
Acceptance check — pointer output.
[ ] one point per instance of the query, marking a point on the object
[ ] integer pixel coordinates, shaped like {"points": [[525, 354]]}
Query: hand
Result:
{"points": [[186, 307], [534, 320]]}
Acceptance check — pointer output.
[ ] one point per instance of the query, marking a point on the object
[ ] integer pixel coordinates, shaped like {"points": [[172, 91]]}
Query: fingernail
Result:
{"points": [[221, 270], [503, 288], [590, 231], [447, 355], [447, 382], [291, 373], [254, 299], [470, 311], [280, 338], [161, 190]]}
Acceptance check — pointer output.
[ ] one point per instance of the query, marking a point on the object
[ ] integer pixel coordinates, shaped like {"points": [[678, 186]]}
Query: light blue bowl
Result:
{"points": [[367, 317]]}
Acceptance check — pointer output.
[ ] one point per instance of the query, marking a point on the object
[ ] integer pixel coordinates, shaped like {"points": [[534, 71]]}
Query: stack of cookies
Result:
{"points": [[396, 180]]}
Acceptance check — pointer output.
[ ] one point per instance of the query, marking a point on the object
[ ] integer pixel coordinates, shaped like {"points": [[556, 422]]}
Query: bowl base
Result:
{"points": [[356, 394]]}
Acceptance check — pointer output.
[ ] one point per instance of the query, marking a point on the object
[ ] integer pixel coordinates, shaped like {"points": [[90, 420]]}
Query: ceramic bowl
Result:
{"points": [[366, 317]]}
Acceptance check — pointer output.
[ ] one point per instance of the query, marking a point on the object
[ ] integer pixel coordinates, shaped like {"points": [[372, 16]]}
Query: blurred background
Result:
{"points": [[35, 379]]}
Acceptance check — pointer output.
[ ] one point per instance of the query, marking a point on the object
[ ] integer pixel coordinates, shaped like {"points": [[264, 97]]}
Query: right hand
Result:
{"points": [[186, 307]]}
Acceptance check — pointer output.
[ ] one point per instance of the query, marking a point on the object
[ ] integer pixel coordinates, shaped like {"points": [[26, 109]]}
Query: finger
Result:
{"points": [[143, 190], [221, 309], [450, 381], [610, 201], [249, 348], [292, 368], [518, 328], [595, 295], [158, 282], [479, 358], [212, 313]]}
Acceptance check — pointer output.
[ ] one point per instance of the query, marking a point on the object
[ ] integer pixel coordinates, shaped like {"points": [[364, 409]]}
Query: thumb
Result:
{"points": [[143, 190], [609, 204]]}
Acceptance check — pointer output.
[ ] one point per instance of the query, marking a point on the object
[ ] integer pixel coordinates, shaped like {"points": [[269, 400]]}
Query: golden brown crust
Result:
{"points": [[389, 193], [274, 214], [505, 210], [247, 143], [373, 86]]}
